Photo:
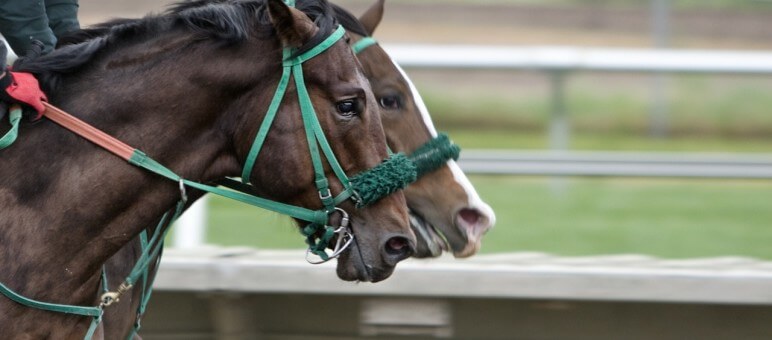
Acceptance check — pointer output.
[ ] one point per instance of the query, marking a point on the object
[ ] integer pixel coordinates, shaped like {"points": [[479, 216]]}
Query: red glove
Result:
{"points": [[22, 88]]}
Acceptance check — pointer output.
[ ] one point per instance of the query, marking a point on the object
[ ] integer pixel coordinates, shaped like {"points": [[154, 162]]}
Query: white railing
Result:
{"points": [[732, 280], [617, 164], [562, 58], [557, 61]]}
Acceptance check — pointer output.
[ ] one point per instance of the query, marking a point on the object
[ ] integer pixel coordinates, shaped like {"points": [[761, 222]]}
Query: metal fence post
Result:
{"points": [[660, 29], [190, 228], [559, 129], [559, 132]]}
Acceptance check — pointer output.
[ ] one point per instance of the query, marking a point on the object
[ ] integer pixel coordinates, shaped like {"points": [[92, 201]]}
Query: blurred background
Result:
{"points": [[586, 125], [515, 109]]}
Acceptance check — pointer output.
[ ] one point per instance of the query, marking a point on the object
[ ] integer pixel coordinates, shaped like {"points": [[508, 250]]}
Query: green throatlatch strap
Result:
{"points": [[362, 44], [14, 117], [434, 154]]}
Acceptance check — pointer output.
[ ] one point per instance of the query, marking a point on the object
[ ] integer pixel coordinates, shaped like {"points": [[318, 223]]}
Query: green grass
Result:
{"points": [[664, 218], [235, 224]]}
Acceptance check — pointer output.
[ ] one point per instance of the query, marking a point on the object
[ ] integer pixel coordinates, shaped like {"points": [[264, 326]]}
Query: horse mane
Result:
{"points": [[349, 21], [223, 22]]}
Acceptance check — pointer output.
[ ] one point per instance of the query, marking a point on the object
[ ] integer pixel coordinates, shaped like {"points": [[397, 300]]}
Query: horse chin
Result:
{"points": [[352, 267], [430, 242]]}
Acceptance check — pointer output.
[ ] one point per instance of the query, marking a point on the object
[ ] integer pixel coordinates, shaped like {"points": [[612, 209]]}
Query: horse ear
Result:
{"points": [[292, 27], [372, 17]]}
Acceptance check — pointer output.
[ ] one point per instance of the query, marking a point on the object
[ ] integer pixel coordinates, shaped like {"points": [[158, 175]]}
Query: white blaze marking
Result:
{"points": [[474, 199]]}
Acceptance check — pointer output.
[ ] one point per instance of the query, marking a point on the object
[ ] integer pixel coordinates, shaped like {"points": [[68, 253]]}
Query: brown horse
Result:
{"points": [[189, 88], [446, 211]]}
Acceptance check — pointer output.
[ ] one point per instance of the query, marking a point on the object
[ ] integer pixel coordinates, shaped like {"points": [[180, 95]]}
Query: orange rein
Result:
{"points": [[87, 131]]}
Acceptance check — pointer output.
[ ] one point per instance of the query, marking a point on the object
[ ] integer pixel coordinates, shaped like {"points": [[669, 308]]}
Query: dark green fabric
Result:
{"points": [[21, 21], [9, 137], [434, 154], [62, 16], [393, 174]]}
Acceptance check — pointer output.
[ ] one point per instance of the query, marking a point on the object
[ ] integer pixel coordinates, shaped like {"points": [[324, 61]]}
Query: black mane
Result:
{"points": [[225, 22], [349, 21]]}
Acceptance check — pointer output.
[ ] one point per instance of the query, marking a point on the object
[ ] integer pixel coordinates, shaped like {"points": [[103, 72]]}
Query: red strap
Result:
{"points": [[26, 90], [87, 131]]}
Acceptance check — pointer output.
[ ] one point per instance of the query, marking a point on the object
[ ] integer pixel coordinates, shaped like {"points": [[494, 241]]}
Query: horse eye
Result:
{"points": [[389, 102], [348, 107]]}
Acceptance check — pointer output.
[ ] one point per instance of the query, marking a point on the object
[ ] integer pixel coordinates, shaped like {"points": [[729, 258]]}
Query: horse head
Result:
{"points": [[446, 211], [347, 113]]}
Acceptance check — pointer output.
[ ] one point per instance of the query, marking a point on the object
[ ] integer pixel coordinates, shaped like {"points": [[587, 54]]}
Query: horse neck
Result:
{"points": [[61, 221]]}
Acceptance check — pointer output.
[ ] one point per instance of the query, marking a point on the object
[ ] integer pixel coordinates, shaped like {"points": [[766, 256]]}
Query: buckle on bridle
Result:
{"points": [[183, 192], [325, 196], [344, 239], [356, 198]]}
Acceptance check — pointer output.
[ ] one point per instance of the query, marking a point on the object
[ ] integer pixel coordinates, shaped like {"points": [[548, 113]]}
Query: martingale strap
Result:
{"points": [[94, 312], [14, 117]]}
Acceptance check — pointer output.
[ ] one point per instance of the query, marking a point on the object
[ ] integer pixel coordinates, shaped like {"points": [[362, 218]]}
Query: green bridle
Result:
{"points": [[292, 67]]}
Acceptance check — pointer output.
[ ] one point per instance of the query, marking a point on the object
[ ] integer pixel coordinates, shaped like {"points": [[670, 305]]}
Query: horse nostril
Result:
{"points": [[398, 248], [396, 244], [470, 216]]}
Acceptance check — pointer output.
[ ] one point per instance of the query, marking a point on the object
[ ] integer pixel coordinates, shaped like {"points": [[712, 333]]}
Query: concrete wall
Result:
{"points": [[180, 315], [226, 293]]}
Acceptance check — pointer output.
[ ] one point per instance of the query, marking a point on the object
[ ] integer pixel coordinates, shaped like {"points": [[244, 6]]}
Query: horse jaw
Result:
{"points": [[472, 220]]}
